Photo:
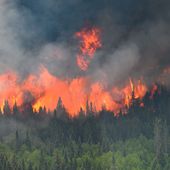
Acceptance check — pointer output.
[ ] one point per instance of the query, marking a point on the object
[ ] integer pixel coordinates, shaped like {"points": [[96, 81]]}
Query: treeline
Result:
{"points": [[93, 140]]}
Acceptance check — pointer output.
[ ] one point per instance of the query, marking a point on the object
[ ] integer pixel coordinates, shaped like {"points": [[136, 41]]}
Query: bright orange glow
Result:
{"points": [[45, 90], [136, 90], [9, 89], [89, 42]]}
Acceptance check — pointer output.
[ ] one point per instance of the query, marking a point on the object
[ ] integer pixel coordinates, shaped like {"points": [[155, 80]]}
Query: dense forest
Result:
{"points": [[44, 140]]}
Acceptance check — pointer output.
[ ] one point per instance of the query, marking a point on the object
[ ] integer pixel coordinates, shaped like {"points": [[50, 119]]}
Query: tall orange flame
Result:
{"points": [[89, 42], [46, 89]]}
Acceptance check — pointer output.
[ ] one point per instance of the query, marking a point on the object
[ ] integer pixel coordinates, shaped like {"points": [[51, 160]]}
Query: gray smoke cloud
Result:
{"points": [[10, 53], [135, 37]]}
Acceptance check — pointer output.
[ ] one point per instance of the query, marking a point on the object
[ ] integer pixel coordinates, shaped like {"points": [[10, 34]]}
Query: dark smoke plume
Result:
{"points": [[135, 37]]}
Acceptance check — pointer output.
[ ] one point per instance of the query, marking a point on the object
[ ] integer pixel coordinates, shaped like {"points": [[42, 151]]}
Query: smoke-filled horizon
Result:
{"points": [[135, 36], [43, 37]]}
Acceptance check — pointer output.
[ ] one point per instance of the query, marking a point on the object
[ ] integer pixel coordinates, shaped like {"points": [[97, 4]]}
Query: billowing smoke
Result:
{"points": [[135, 38]]}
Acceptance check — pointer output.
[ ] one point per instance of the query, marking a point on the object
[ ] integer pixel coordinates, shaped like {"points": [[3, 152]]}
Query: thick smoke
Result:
{"points": [[135, 37], [10, 53]]}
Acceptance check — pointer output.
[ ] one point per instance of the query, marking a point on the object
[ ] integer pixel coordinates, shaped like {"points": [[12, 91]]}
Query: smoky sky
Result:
{"points": [[135, 37]]}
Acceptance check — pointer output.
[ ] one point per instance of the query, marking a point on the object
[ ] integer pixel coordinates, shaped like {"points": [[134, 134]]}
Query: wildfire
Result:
{"points": [[45, 89], [9, 89], [89, 42]]}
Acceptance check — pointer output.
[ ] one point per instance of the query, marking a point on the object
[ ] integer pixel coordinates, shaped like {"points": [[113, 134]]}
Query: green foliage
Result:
{"points": [[138, 140]]}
